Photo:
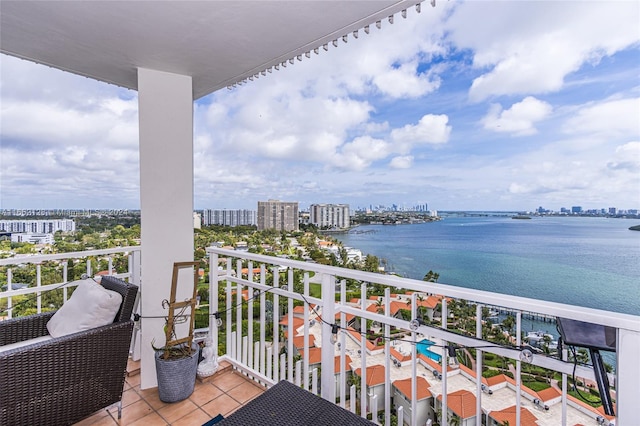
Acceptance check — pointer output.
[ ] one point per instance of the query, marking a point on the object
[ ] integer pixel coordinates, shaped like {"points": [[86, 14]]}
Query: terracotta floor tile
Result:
{"points": [[174, 411], [228, 381], [133, 381], [152, 419], [144, 408], [105, 421], [245, 392], [99, 415], [205, 393], [223, 404], [152, 398], [196, 417], [129, 397], [133, 412]]}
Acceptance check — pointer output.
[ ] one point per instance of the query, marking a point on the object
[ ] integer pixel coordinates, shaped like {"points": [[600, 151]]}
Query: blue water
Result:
{"points": [[423, 347], [591, 262]]}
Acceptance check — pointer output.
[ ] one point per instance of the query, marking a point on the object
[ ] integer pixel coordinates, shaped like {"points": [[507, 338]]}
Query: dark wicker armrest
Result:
{"points": [[24, 328], [62, 380]]}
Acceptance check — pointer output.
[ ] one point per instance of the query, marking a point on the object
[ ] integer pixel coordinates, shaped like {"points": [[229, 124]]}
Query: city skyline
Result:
{"points": [[466, 106]]}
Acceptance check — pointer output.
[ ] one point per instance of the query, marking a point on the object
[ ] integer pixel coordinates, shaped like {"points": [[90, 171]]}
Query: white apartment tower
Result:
{"points": [[330, 215], [228, 217], [278, 215]]}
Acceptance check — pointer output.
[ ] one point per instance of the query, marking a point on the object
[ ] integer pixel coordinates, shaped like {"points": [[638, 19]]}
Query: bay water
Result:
{"points": [[584, 261]]}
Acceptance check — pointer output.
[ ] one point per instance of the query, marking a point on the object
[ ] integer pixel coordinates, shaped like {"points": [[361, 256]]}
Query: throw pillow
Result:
{"points": [[90, 306]]}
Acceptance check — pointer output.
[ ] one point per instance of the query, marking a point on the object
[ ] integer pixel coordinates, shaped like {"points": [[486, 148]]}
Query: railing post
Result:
{"points": [[374, 409], [9, 288], [352, 399], [39, 284], [134, 271], [214, 282], [627, 376], [479, 366], [327, 377]]}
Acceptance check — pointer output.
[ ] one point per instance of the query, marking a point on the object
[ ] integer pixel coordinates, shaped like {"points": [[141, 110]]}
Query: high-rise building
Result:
{"points": [[278, 215], [329, 215], [576, 209], [38, 226], [228, 217]]}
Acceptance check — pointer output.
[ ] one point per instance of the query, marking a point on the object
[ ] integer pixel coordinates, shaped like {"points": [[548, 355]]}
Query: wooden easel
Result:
{"points": [[180, 306]]}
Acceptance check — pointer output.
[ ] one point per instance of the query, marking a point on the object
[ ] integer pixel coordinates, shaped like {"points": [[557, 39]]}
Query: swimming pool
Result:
{"points": [[423, 347]]}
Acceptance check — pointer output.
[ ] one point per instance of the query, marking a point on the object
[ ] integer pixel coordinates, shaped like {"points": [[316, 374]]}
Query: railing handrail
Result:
{"points": [[554, 309], [38, 258], [274, 362]]}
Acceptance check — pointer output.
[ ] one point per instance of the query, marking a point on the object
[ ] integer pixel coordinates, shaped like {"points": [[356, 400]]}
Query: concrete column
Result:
{"points": [[628, 376], [166, 199]]}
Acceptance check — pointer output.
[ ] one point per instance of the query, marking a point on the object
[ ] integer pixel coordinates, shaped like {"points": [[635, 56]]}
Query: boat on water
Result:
{"points": [[539, 338]]}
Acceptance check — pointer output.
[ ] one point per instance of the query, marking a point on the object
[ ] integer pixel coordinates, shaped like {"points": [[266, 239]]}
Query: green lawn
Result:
{"points": [[592, 400]]}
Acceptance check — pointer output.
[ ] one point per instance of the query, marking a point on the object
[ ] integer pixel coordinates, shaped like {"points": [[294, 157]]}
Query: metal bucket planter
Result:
{"points": [[176, 377]]}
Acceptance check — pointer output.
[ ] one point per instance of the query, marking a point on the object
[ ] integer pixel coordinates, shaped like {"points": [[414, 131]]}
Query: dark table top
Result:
{"points": [[286, 404]]}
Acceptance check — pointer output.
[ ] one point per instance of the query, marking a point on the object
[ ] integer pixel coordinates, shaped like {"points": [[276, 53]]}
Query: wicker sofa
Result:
{"points": [[64, 379]]}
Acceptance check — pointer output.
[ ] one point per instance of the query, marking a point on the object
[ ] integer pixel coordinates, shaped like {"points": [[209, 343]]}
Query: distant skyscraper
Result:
{"points": [[576, 209], [278, 215], [38, 226], [228, 217], [329, 215]]}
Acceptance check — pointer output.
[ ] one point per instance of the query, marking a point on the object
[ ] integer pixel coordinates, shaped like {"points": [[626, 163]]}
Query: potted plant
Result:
{"points": [[177, 361]]}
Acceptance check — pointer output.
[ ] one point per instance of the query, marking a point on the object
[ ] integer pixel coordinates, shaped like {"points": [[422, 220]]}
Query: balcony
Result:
{"points": [[337, 332]]}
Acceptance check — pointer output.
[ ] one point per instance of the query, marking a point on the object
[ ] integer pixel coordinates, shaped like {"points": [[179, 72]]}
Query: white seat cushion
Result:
{"points": [[90, 306]]}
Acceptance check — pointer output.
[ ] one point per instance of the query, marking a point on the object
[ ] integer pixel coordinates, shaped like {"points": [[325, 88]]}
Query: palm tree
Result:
{"points": [[379, 306], [431, 277], [508, 324], [454, 420]]}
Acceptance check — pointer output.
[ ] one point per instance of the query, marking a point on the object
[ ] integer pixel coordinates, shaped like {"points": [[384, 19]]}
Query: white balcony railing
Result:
{"points": [[257, 295], [58, 278], [268, 349]]}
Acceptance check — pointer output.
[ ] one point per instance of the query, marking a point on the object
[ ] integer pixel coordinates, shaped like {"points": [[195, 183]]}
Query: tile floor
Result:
{"points": [[223, 393]]}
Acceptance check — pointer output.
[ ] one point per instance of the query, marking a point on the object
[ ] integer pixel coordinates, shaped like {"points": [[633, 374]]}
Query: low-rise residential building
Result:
{"points": [[401, 390]]}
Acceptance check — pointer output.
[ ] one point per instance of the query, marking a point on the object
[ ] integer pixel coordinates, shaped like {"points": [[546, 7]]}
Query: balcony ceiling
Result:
{"points": [[217, 43]]}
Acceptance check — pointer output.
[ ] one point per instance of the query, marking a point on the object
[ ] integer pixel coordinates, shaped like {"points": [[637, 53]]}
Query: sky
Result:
{"points": [[486, 105]]}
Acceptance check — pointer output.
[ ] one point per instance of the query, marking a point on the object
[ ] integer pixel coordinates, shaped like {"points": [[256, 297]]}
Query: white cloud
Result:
{"points": [[615, 117], [519, 119], [431, 129], [530, 47], [404, 82], [626, 158], [401, 162], [353, 124], [361, 152]]}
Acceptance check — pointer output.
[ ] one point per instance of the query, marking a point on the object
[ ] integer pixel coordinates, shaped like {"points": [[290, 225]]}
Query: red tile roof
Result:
{"points": [[297, 322], [548, 394], [422, 388], [300, 309], [397, 355], [462, 403], [375, 374], [357, 336], [432, 364], [315, 355], [347, 363], [298, 341], [509, 415]]}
